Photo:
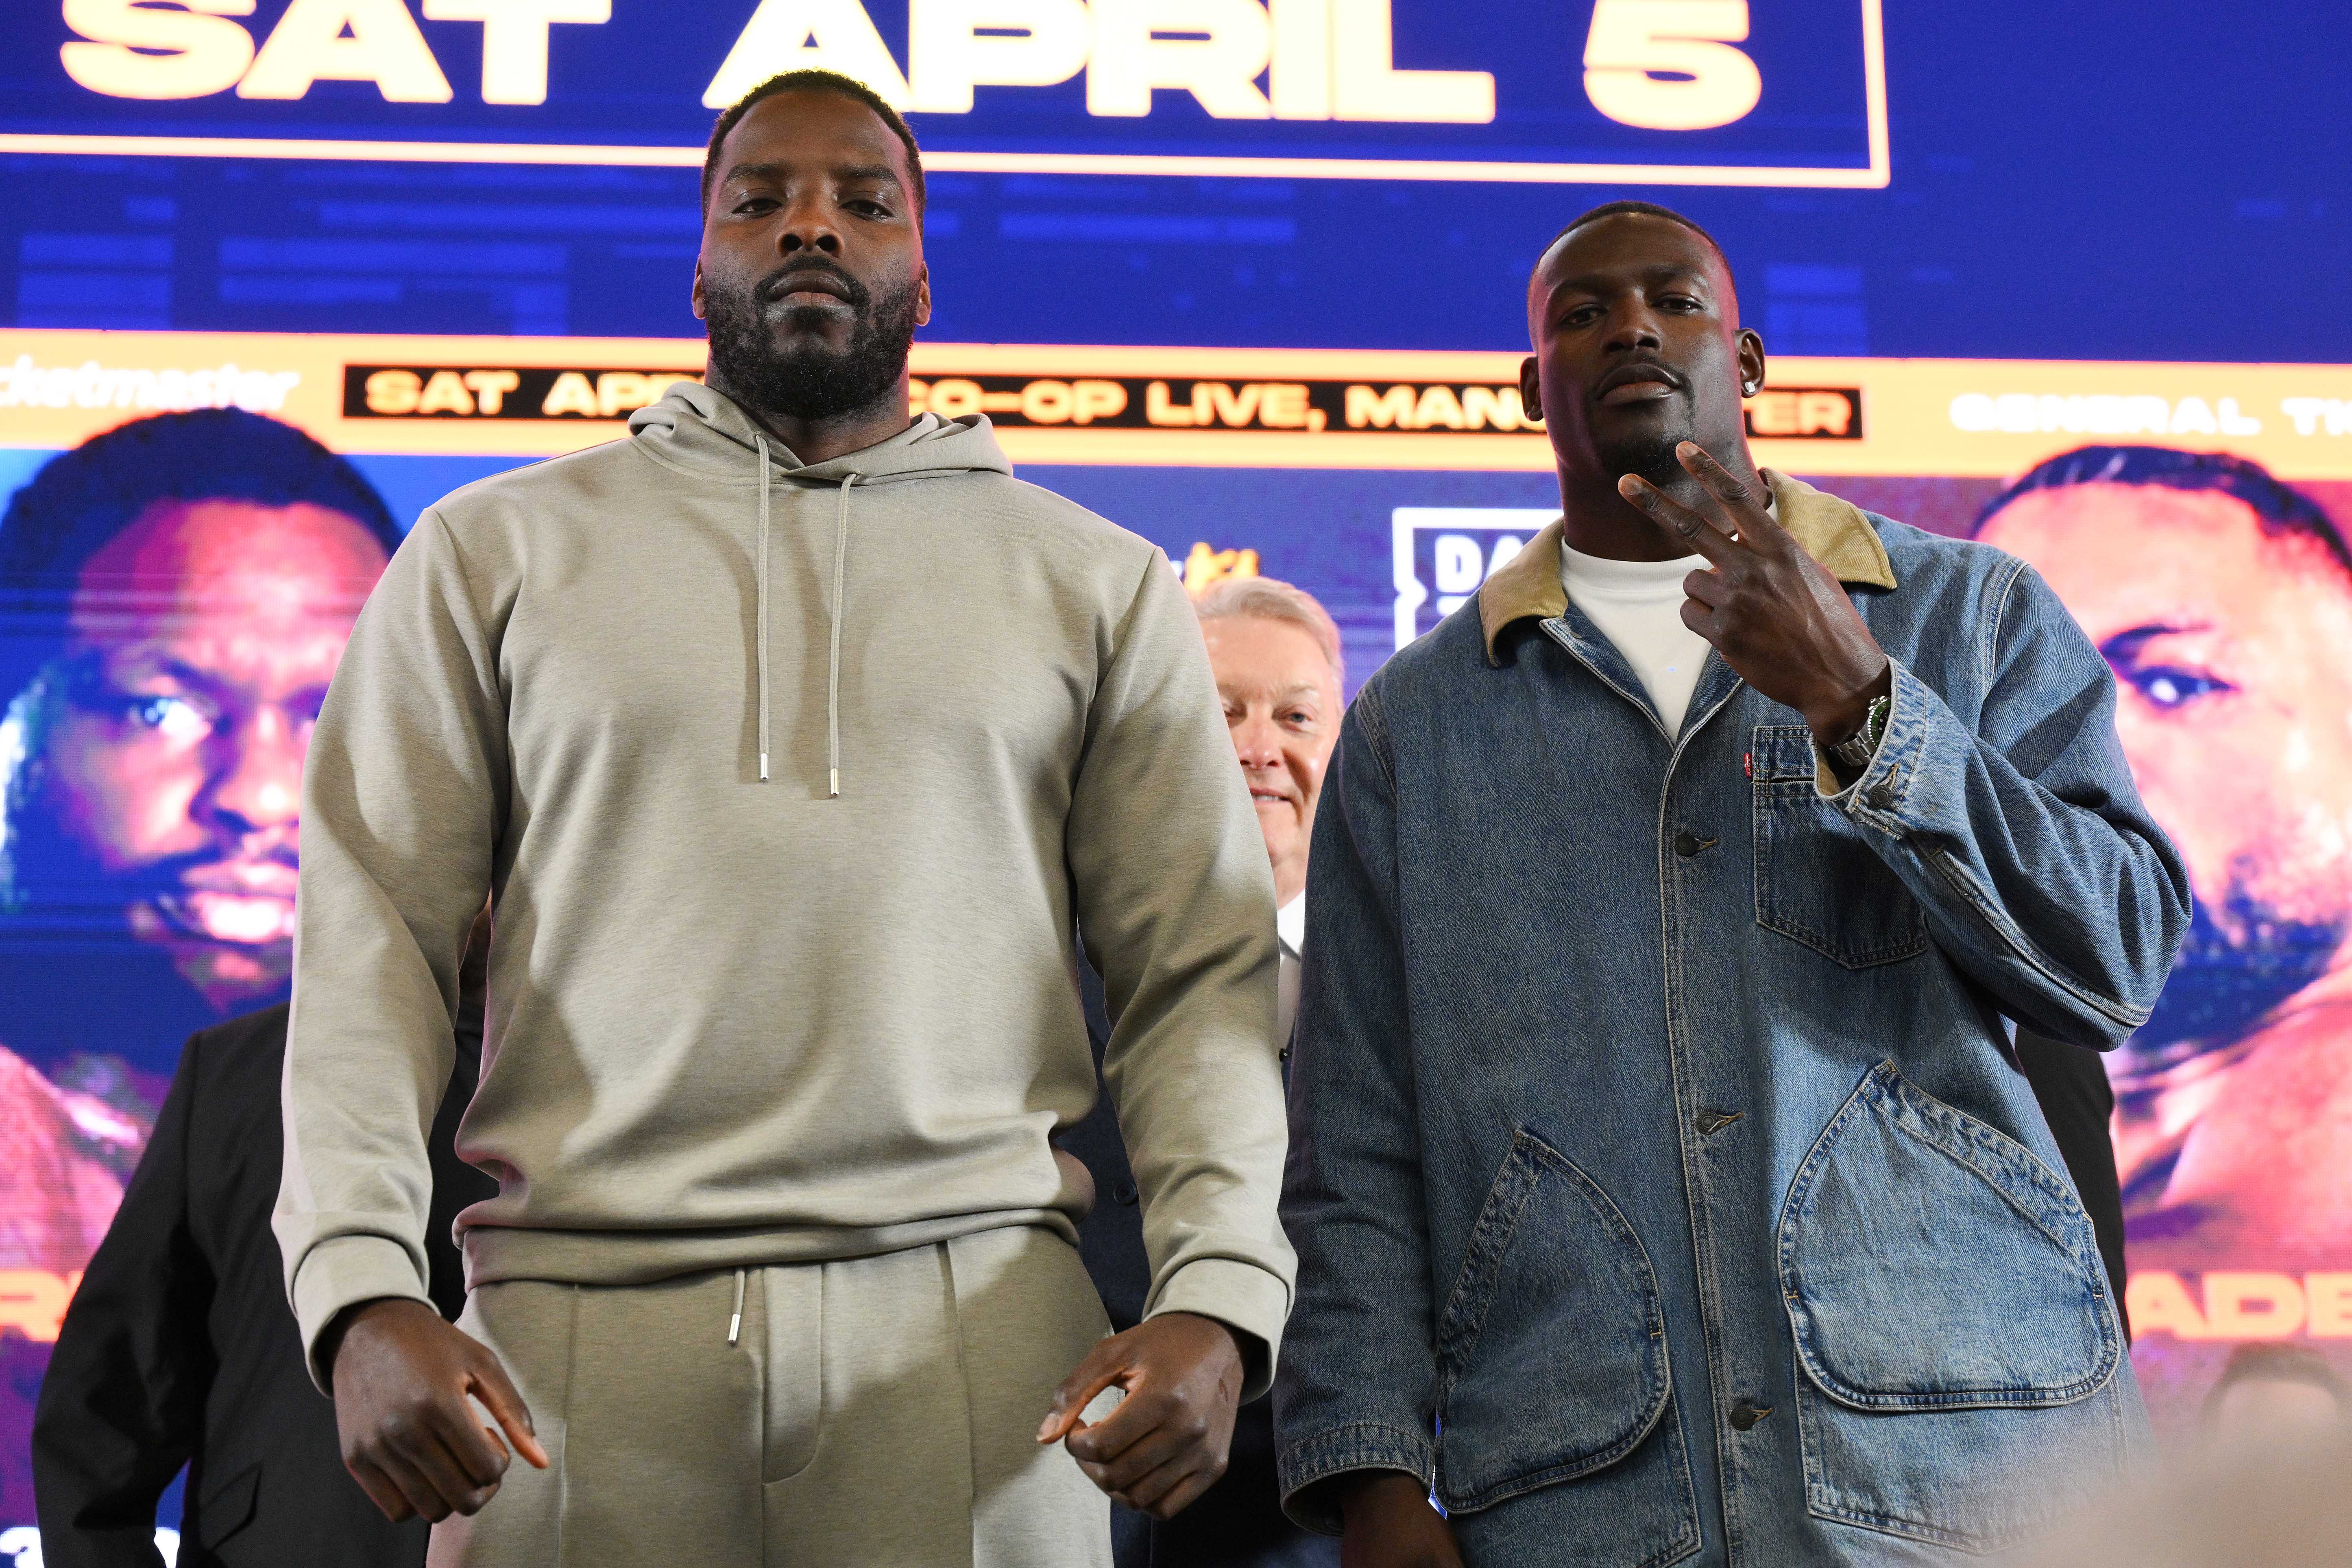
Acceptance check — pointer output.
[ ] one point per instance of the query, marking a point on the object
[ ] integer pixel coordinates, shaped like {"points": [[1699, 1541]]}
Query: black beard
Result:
{"points": [[810, 381], [2222, 985], [49, 884], [1651, 456]]}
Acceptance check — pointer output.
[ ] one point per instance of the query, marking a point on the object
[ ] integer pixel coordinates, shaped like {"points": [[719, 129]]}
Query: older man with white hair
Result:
{"points": [[1280, 671], [1280, 675]]}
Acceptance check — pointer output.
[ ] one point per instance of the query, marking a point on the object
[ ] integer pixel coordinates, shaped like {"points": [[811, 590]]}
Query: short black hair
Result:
{"points": [[1638, 209], [2270, 1361], [812, 80], [81, 499], [2283, 510]]}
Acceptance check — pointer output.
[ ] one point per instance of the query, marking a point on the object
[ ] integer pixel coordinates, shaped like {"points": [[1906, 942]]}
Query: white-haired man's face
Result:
{"points": [[1282, 709]]}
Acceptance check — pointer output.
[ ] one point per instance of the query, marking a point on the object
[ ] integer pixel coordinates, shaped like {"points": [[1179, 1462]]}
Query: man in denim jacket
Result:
{"points": [[1663, 1184]]}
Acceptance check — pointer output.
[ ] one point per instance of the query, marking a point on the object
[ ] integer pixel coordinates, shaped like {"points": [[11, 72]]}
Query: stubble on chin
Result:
{"points": [[1651, 456], [232, 977]]}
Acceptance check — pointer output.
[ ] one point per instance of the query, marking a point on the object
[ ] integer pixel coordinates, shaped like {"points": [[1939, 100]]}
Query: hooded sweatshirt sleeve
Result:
{"points": [[402, 798], [1176, 901]]}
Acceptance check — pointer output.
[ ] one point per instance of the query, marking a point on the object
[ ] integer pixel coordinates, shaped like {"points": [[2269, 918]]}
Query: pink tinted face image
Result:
{"points": [[1282, 709], [204, 637], [2232, 653]]}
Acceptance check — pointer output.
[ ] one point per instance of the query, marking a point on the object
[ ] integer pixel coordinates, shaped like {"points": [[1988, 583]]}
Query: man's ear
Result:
{"points": [[923, 298], [1530, 388], [694, 296], [1751, 364]]}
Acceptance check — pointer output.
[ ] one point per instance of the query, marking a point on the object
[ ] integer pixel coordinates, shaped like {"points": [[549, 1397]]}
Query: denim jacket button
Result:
{"points": [[1745, 1415], [1713, 1121], [1123, 1193], [1687, 844]]}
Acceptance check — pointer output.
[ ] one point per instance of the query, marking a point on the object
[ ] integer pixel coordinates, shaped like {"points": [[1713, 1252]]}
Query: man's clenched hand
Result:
{"points": [[1165, 1445], [401, 1379]]}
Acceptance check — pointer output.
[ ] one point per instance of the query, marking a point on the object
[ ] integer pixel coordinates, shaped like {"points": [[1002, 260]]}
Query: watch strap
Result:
{"points": [[1854, 752]]}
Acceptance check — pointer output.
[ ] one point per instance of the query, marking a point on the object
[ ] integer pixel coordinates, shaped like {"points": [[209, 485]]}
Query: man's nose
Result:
{"points": [[1633, 326], [808, 225], [1257, 743], [259, 783]]}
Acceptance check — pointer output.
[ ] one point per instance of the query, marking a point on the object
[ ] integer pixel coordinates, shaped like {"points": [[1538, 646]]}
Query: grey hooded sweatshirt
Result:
{"points": [[791, 783]]}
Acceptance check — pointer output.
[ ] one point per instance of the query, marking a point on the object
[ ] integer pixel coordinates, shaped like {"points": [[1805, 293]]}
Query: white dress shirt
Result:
{"points": [[1290, 932]]}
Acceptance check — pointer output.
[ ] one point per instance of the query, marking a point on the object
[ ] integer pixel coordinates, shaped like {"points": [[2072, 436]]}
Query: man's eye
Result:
{"points": [[1583, 315], [753, 206], [2169, 687], [172, 719]]}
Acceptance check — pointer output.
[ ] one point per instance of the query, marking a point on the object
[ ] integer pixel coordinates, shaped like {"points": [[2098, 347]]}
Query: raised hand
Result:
{"points": [[1778, 616], [1166, 1443], [411, 1440]]}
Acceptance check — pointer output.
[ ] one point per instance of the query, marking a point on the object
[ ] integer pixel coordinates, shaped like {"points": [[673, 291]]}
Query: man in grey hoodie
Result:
{"points": [[793, 739]]}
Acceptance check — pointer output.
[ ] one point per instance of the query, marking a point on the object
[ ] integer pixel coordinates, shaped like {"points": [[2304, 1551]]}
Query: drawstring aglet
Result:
{"points": [[836, 783], [764, 767], [735, 1322]]}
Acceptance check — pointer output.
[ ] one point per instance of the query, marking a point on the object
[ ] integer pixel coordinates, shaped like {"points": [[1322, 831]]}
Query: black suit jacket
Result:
{"points": [[2070, 1084], [1238, 1522], [179, 1347]]}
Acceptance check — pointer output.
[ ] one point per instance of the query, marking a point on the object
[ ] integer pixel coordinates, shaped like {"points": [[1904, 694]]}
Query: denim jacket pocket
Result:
{"points": [[1551, 1351], [1952, 1325], [1818, 881]]}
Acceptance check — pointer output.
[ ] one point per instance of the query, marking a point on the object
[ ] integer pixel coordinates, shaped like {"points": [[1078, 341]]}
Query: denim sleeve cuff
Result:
{"points": [[1877, 798], [1241, 1296], [343, 1271], [1360, 1445]]}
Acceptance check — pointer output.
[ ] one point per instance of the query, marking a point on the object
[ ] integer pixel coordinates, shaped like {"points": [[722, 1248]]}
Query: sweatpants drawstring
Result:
{"points": [[735, 1323]]}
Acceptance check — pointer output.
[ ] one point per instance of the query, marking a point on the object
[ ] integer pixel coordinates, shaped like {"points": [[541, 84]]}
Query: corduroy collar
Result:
{"points": [[1834, 532]]}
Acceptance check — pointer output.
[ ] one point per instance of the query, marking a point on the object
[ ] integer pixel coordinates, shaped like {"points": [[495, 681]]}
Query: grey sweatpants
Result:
{"points": [[880, 1412]]}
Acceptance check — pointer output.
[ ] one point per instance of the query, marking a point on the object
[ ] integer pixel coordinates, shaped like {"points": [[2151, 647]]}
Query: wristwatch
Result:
{"points": [[1854, 752]]}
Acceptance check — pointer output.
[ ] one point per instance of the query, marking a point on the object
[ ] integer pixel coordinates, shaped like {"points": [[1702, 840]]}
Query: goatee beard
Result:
{"points": [[2225, 986], [812, 381], [1652, 458]]}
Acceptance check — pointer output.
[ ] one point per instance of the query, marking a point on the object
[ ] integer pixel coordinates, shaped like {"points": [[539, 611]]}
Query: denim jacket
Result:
{"points": [[1663, 1180]]}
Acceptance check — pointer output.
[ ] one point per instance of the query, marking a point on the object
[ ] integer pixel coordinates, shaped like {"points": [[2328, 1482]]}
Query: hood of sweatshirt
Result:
{"points": [[705, 432]]}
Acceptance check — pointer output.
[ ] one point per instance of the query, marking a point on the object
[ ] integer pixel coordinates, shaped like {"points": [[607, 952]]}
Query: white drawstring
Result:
{"points": [[833, 679], [763, 576], [832, 674], [735, 1323]]}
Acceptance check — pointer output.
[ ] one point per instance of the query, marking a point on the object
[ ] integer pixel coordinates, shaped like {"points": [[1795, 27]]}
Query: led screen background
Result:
{"points": [[2067, 204]]}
